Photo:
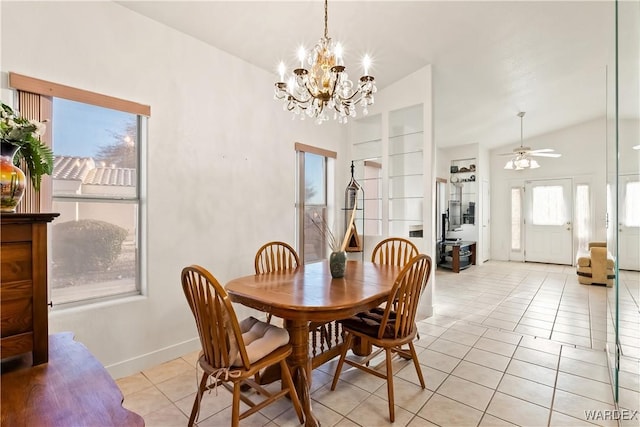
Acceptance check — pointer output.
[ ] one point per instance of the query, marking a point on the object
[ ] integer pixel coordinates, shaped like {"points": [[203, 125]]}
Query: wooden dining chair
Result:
{"points": [[226, 358], [394, 251], [392, 329], [276, 256]]}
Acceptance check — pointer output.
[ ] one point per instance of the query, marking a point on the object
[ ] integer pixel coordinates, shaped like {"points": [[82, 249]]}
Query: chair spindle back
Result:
{"points": [[217, 324], [275, 256], [394, 251], [405, 296]]}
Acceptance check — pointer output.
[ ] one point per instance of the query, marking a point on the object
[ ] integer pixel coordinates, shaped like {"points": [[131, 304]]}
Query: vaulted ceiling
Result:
{"points": [[490, 59]]}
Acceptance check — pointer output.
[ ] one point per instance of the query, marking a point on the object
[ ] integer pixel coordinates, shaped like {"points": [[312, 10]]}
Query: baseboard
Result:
{"points": [[148, 360]]}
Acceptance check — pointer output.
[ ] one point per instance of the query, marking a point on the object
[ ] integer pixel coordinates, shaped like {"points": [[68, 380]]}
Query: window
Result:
{"points": [[95, 241], [548, 205], [516, 219], [583, 217], [314, 183], [96, 187], [632, 204]]}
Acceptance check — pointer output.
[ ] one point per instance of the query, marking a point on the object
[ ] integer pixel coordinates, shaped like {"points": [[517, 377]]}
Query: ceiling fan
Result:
{"points": [[521, 155]]}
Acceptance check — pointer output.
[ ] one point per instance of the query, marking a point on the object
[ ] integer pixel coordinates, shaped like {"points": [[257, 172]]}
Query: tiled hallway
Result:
{"points": [[509, 344]]}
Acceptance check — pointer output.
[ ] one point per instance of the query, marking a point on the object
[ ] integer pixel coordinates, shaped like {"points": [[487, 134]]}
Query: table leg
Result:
{"points": [[300, 364]]}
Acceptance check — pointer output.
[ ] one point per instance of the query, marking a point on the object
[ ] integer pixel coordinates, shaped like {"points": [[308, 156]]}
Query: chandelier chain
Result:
{"points": [[326, 20]]}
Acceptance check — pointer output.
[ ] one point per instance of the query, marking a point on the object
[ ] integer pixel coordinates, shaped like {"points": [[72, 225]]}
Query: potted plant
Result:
{"points": [[20, 141]]}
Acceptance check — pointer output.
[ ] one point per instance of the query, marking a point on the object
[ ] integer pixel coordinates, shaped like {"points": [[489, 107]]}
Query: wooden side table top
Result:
{"points": [[72, 389]]}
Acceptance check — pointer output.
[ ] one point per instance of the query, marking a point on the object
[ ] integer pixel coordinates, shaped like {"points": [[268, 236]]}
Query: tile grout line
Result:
{"points": [[495, 390], [555, 386]]}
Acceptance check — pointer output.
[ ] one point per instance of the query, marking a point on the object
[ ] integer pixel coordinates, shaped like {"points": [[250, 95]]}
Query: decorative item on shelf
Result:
{"points": [[472, 168], [354, 243], [472, 178], [20, 144], [454, 169], [463, 169], [325, 85]]}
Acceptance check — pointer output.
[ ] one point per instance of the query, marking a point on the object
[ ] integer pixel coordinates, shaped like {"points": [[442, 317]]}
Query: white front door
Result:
{"points": [[629, 223], [548, 229]]}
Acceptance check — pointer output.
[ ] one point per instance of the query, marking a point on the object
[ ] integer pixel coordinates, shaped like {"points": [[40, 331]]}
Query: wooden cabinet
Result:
{"points": [[24, 325]]}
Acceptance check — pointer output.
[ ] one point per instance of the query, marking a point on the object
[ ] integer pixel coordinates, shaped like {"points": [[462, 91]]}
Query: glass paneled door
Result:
{"points": [[548, 216], [623, 167]]}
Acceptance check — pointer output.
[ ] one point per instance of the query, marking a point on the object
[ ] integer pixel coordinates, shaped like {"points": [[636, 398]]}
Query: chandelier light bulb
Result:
{"points": [[339, 51], [366, 63], [281, 70], [301, 55]]}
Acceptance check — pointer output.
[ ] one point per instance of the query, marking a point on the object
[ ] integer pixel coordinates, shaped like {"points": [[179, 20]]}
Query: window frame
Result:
{"points": [[519, 221], [329, 158], [37, 96]]}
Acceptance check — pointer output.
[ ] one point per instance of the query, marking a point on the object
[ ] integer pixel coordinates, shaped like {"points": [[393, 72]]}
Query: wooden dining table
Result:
{"points": [[309, 294]]}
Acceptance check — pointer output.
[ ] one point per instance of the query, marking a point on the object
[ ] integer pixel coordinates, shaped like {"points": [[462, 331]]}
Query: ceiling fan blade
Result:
{"points": [[543, 150], [506, 154], [545, 154]]}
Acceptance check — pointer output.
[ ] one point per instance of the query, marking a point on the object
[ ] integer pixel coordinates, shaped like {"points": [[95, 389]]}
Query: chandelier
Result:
{"points": [[324, 87], [522, 159]]}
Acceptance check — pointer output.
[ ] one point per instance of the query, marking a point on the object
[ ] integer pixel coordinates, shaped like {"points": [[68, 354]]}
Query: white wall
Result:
{"points": [[583, 149], [220, 161]]}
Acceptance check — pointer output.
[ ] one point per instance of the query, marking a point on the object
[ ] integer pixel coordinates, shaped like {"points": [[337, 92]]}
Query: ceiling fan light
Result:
{"points": [[521, 163], [533, 164], [509, 165]]}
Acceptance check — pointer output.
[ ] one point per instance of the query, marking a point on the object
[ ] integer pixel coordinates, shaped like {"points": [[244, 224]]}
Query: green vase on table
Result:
{"points": [[337, 264]]}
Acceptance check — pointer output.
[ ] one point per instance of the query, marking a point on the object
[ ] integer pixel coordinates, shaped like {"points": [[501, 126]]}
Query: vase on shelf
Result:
{"points": [[12, 179], [338, 264]]}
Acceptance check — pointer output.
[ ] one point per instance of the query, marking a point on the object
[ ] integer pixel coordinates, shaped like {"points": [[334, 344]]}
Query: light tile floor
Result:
{"points": [[508, 344]]}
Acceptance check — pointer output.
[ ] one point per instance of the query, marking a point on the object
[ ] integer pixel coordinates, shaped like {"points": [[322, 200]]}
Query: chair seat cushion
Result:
{"points": [[368, 323], [260, 339]]}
